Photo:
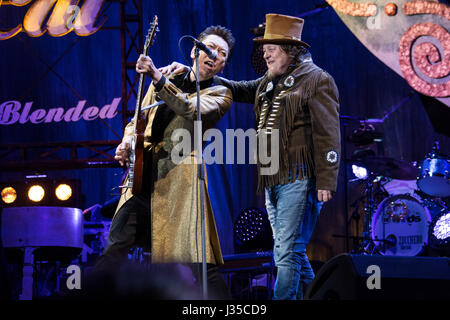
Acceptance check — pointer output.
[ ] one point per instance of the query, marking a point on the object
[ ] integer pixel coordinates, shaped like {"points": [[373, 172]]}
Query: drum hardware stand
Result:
{"points": [[369, 209], [364, 244], [345, 121], [368, 245], [354, 216]]}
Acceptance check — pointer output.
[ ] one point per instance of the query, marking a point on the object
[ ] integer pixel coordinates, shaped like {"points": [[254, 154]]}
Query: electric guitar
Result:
{"points": [[135, 172]]}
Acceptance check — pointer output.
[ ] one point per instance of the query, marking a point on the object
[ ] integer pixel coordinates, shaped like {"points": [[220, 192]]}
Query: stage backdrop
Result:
{"points": [[78, 72]]}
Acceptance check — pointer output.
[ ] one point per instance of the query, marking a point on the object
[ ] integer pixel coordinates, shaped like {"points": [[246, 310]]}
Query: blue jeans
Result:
{"points": [[293, 210]]}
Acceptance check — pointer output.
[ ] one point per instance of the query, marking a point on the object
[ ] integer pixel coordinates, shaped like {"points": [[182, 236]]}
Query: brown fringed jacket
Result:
{"points": [[304, 106]]}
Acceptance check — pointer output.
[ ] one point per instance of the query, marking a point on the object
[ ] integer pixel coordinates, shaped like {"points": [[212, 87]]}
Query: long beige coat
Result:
{"points": [[175, 220]]}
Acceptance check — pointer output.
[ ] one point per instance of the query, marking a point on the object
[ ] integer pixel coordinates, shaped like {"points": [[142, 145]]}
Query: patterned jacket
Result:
{"points": [[304, 106], [175, 220]]}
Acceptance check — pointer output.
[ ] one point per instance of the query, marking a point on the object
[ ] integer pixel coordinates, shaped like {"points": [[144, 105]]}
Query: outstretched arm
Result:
{"points": [[214, 104], [243, 91]]}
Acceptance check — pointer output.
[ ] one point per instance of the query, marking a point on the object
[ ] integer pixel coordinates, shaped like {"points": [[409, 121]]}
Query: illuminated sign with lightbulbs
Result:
{"points": [[65, 17]]}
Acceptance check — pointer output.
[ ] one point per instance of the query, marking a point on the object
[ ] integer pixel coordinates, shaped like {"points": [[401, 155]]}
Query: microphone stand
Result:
{"points": [[200, 174], [345, 120]]}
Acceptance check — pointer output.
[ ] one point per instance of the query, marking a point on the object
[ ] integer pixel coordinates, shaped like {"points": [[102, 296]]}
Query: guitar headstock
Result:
{"points": [[151, 34]]}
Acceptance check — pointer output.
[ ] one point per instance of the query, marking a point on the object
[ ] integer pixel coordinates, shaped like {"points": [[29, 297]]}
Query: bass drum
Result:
{"points": [[402, 223]]}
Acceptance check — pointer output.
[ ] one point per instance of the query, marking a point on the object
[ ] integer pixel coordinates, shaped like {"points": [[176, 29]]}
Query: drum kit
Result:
{"points": [[398, 222]]}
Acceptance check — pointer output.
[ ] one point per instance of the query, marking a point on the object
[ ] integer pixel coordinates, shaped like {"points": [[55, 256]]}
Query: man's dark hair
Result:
{"points": [[296, 52], [222, 32]]}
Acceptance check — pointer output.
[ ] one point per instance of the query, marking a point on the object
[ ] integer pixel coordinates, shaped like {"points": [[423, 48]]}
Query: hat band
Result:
{"points": [[274, 36]]}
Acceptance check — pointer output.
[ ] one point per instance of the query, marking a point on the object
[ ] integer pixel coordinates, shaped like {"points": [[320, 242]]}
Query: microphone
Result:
{"points": [[200, 45]]}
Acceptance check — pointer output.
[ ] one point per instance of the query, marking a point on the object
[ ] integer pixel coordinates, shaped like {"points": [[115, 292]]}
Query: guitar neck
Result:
{"points": [[135, 172], [140, 95]]}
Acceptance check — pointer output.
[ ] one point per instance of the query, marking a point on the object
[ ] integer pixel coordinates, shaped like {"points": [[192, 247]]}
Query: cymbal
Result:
{"points": [[362, 138], [389, 167]]}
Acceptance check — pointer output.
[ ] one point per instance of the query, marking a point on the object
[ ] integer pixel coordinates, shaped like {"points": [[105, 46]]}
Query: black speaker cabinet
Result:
{"points": [[370, 277]]}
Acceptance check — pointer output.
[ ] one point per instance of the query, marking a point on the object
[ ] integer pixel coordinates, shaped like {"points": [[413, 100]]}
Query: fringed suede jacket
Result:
{"points": [[304, 106]]}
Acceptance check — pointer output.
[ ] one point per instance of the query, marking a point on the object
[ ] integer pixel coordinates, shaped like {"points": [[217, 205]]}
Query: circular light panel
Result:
{"points": [[63, 192], [36, 193], [9, 195]]}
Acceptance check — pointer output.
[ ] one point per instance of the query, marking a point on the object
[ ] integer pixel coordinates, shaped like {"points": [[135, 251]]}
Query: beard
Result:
{"points": [[276, 71], [271, 75], [279, 71]]}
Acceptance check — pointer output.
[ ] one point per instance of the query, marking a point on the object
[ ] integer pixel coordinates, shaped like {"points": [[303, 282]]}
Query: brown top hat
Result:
{"points": [[281, 29]]}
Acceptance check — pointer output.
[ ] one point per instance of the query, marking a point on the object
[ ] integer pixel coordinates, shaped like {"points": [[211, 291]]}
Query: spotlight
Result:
{"points": [[9, 195], [36, 193], [359, 172], [63, 192], [439, 232], [442, 228], [252, 231]]}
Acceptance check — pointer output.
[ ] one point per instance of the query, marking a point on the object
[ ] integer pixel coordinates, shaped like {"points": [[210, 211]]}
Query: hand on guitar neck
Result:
{"points": [[146, 66], [123, 152], [131, 151]]}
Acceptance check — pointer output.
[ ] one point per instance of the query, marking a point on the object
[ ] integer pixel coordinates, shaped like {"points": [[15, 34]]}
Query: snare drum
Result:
{"points": [[434, 178], [403, 222]]}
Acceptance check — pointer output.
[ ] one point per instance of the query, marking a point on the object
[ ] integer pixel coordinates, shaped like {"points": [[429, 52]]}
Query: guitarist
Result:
{"points": [[166, 210]]}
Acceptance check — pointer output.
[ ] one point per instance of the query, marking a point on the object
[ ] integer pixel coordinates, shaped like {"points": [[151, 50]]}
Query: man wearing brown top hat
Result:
{"points": [[299, 101]]}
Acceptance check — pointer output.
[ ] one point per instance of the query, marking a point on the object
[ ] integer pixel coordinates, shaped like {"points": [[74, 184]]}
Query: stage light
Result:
{"points": [[359, 172], [63, 192], [439, 233], [36, 193], [252, 231], [9, 195], [40, 190], [441, 229]]}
